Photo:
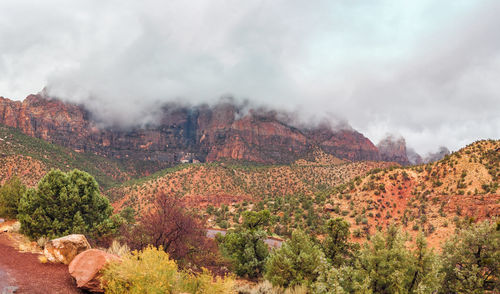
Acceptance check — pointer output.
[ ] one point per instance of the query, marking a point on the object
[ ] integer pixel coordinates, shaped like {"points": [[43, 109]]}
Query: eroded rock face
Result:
{"points": [[64, 249], [200, 133], [393, 149], [86, 269]]}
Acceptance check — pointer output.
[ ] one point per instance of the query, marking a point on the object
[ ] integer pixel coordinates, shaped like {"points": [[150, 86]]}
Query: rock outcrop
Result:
{"points": [[64, 249], [393, 149], [414, 157], [86, 269], [184, 134], [438, 155]]}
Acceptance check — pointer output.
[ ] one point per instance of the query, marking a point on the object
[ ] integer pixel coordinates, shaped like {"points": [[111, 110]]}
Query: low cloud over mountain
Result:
{"points": [[425, 70]]}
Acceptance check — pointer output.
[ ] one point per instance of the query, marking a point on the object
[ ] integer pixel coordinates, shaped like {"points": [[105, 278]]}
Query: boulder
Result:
{"points": [[64, 249], [86, 269]]}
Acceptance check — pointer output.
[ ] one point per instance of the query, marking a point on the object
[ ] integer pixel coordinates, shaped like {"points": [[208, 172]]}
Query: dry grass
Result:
{"points": [[118, 249]]}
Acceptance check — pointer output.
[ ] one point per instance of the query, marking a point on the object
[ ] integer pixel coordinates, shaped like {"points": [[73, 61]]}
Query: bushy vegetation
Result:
{"points": [[151, 270], [471, 259], [237, 179], [319, 255], [107, 171], [170, 226], [299, 261], [385, 265], [336, 245], [10, 195], [245, 245], [388, 263], [62, 204]]}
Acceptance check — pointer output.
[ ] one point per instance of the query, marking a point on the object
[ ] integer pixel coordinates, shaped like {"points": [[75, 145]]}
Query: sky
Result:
{"points": [[425, 70]]}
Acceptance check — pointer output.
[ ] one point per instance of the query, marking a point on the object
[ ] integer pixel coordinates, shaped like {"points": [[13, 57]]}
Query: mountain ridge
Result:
{"points": [[184, 134]]}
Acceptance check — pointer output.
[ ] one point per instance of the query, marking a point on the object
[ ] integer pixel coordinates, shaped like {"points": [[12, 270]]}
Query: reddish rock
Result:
{"points": [[200, 133], [64, 249], [393, 149], [86, 269], [328, 207]]}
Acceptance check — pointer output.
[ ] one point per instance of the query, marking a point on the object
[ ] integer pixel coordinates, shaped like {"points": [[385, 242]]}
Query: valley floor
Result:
{"points": [[25, 271]]}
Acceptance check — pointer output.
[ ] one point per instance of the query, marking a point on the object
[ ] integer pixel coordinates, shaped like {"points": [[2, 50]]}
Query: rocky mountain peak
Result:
{"points": [[393, 148]]}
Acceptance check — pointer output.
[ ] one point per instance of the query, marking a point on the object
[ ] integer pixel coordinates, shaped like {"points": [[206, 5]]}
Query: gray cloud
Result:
{"points": [[426, 71]]}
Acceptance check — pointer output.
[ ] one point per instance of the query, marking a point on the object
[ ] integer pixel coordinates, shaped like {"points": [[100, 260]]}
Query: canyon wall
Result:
{"points": [[184, 134]]}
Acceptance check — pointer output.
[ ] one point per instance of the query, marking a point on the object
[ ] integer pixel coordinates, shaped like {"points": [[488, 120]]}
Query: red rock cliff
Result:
{"points": [[184, 134]]}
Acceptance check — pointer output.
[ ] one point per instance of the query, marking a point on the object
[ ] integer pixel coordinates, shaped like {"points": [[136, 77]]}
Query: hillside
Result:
{"points": [[431, 197], [434, 198], [31, 158], [230, 182]]}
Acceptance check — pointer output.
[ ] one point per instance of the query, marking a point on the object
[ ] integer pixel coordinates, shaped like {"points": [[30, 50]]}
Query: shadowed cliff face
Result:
{"points": [[184, 134]]}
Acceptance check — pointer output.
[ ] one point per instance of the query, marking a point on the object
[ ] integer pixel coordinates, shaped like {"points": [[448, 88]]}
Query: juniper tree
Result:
{"points": [[471, 259], [245, 245], [10, 195], [336, 246], [62, 204], [385, 265], [299, 261]]}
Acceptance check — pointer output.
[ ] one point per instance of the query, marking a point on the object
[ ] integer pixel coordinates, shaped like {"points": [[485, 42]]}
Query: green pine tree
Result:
{"points": [[471, 260], [10, 195], [62, 204], [299, 261], [245, 245], [336, 246], [386, 265]]}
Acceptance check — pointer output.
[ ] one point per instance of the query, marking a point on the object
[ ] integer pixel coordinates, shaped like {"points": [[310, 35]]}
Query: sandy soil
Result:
{"points": [[25, 271]]}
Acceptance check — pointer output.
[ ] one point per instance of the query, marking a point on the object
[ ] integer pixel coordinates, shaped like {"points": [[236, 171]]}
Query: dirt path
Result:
{"points": [[26, 272], [5, 280]]}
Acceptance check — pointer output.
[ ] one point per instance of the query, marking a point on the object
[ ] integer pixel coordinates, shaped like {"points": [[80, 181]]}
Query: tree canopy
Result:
{"points": [[10, 195], [385, 265], [62, 204], [245, 245], [336, 245], [471, 259], [299, 261]]}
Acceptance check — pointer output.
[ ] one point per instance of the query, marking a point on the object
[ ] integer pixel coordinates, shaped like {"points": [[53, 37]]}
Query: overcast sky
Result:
{"points": [[424, 69]]}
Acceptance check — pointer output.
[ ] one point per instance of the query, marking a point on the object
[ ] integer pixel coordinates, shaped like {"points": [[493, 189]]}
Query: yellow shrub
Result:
{"points": [[152, 271], [205, 283]]}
